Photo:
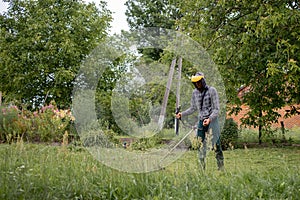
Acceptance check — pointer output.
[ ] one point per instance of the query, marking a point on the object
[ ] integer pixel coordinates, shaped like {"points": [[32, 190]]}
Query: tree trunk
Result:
{"points": [[259, 134], [283, 130], [260, 128]]}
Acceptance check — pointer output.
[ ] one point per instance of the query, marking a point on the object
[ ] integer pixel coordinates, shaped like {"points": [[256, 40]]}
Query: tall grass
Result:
{"points": [[29, 171], [251, 135]]}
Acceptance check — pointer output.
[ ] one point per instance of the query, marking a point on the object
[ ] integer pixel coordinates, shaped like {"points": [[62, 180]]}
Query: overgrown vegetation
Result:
{"points": [[229, 134], [272, 138], [42, 44], [68, 171], [51, 125], [254, 43], [30, 171], [48, 124]]}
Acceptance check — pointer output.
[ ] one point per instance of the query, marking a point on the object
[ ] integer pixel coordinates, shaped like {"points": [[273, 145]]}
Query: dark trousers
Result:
{"points": [[215, 142]]}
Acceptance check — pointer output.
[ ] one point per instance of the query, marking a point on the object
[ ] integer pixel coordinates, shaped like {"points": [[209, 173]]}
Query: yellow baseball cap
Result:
{"points": [[198, 76]]}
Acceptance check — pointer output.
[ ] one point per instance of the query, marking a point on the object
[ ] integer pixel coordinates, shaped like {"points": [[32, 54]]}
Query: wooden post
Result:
{"points": [[178, 83], [166, 96], [178, 95]]}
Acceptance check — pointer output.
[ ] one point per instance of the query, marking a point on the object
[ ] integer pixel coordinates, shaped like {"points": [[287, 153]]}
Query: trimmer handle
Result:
{"points": [[178, 110]]}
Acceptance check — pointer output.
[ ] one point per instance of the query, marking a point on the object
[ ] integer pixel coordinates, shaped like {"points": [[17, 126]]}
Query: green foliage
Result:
{"points": [[147, 13], [256, 45], [158, 14], [195, 142], [142, 144], [229, 135], [145, 103], [167, 134], [273, 137], [46, 125], [42, 44], [104, 91], [8, 117], [48, 172], [98, 138]]}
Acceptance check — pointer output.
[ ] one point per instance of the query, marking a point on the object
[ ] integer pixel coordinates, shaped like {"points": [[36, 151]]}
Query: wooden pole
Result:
{"points": [[178, 83], [178, 95], [166, 96]]}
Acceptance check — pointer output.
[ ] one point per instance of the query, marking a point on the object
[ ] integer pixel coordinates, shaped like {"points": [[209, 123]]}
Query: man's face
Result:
{"points": [[198, 84]]}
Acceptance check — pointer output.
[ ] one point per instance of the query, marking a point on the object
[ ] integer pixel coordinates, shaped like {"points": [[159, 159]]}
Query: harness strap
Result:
{"points": [[205, 90]]}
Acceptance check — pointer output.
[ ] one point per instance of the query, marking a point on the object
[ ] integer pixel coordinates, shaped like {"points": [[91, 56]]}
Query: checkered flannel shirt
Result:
{"points": [[210, 108]]}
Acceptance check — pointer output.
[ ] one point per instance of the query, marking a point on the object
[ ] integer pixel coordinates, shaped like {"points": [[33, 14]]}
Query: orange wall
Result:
{"points": [[289, 123]]}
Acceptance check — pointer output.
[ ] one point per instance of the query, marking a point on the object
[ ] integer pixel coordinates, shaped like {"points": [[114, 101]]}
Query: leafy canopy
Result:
{"points": [[256, 45], [42, 44]]}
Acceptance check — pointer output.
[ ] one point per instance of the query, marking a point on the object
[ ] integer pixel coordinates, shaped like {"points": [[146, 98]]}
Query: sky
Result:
{"points": [[116, 6], [118, 12]]}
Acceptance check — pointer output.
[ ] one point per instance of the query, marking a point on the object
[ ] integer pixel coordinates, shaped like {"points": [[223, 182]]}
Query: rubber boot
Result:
{"points": [[220, 164], [220, 161]]}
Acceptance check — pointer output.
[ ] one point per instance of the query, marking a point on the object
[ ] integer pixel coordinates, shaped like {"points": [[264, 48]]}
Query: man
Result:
{"points": [[205, 100]]}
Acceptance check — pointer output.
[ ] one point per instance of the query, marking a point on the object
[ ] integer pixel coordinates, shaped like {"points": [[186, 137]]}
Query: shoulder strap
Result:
{"points": [[206, 89]]}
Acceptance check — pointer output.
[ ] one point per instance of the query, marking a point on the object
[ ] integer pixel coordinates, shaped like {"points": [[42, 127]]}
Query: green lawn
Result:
{"points": [[31, 171]]}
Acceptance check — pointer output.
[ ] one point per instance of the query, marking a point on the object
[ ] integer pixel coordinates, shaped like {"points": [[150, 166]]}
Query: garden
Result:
{"points": [[71, 89], [42, 158]]}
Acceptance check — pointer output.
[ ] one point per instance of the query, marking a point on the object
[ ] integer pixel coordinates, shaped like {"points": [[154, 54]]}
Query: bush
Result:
{"points": [[229, 135], [143, 144], [49, 124], [45, 125], [99, 138], [8, 118]]}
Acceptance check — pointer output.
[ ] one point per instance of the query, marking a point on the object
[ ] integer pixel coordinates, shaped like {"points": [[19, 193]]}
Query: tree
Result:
{"points": [[256, 44], [104, 92], [146, 13], [161, 15], [158, 14], [42, 44]]}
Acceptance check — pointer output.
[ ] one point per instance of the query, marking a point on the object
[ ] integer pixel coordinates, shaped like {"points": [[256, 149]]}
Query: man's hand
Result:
{"points": [[178, 115], [206, 122]]}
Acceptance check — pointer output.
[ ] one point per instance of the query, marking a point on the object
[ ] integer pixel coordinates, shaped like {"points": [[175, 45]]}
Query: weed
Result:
{"points": [[45, 172]]}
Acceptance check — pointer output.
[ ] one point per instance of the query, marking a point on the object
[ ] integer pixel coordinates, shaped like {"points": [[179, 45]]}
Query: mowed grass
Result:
{"points": [[35, 171]]}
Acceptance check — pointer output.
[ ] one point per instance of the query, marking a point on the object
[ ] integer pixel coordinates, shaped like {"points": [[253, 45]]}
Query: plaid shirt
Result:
{"points": [[210, 108]]}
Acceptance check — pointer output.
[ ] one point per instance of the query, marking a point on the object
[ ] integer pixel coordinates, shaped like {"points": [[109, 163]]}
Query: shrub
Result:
{"points": [[8, 117], [45, 125], [142, 144], [99, 138], [49, 124], [229, 135]]}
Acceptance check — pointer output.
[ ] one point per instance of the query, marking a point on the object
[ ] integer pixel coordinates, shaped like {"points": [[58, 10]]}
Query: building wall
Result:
{"points": [[289, 123]]}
